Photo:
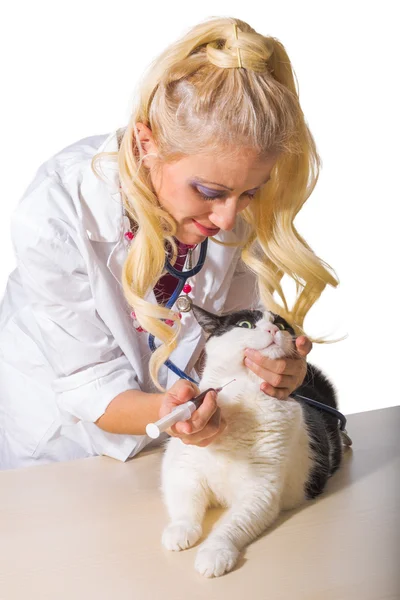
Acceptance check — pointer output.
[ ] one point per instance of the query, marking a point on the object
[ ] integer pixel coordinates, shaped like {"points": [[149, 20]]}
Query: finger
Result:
{"points": [[291, 383], [181, 392], [279, 393], [294, 367], [303, 345], [209, 440], [283, 369], [186, 390], [203, 414], [275, 365], [182, 427], [274, 379], [213, 428], [199, 418]]}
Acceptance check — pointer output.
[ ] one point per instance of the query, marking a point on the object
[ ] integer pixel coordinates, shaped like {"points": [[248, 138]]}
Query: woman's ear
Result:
{"points": [[146, 141]]}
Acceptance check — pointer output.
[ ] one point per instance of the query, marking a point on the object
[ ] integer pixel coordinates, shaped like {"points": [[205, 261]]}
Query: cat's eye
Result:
{"points": [[280, 326], [247, 324]]}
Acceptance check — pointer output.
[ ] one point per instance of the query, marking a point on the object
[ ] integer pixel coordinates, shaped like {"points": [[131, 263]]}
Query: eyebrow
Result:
{"points": [[201, 180]]}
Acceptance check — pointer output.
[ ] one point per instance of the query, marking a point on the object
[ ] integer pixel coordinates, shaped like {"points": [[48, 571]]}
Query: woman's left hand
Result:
{"points": [[281, 375]]}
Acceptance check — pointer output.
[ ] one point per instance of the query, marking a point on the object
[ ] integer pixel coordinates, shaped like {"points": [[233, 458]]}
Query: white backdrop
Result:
{"points": [[69, 70]]}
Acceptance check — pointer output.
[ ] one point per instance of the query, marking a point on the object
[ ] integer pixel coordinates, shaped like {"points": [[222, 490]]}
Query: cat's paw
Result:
{"points": [[215, 559], [181, 535]]}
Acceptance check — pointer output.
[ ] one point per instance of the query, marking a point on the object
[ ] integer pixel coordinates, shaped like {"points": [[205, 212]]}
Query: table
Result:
{"points": [[91, 529]]}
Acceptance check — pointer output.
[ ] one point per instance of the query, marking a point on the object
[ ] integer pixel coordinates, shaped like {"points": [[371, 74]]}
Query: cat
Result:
{"points": [[272, 456]]}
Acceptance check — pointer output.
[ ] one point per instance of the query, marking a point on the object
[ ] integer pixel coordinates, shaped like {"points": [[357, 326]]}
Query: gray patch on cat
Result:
{"points": [[218, 325]]}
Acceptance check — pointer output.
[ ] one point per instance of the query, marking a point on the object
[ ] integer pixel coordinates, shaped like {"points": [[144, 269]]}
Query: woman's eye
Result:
{"points": [[280, 326], [245, 324], [211, 198]]}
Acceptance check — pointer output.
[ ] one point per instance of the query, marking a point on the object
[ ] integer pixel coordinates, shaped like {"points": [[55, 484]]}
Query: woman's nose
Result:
{"points": [[224, 217]]}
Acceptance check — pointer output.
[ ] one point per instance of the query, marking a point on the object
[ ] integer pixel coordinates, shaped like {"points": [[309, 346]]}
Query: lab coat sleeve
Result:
{"points": [[89, 367]]}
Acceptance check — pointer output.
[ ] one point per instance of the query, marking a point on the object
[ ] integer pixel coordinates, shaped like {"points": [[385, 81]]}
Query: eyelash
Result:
{"points": [[211, 198]]}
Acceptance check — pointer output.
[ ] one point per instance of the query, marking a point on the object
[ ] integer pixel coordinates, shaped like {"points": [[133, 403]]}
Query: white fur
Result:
{"points": [[257, 467]]}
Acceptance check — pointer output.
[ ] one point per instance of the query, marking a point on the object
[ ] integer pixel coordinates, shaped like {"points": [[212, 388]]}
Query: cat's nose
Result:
{"points": [[271, 328]]}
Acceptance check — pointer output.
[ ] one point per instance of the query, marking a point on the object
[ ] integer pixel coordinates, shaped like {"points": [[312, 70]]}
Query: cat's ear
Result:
{"points": [[205, 319]]}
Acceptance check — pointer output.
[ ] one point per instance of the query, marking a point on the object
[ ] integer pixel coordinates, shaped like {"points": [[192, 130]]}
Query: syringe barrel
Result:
{"points": [[198, 401], [180, 413]]}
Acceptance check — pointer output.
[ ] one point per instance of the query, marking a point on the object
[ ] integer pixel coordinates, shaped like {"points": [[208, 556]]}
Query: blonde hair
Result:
{"points": [[196, 99]]}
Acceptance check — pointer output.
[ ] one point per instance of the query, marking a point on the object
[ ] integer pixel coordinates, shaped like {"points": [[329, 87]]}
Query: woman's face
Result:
{"points": [[229, 185]]}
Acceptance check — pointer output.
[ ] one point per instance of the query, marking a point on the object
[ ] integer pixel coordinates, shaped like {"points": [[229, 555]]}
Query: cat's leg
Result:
{"points": [[186, 498], [244, 522]]}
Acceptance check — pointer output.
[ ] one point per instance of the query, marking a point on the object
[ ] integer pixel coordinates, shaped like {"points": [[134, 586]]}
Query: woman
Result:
{"points": [[217, 140]]}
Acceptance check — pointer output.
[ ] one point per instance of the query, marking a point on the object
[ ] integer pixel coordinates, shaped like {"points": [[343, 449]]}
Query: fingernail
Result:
{"points": [[250, 352]]}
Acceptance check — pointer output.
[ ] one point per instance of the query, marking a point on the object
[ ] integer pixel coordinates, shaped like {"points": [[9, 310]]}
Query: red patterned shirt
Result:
{"points": [[166, 285]]}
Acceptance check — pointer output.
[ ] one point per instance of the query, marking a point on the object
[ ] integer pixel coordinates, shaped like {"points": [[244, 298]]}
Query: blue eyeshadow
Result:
{"points": [[208, 192]]}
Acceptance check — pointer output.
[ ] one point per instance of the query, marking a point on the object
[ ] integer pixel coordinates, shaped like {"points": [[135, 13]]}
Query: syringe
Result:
{"points": [[180, 413]]}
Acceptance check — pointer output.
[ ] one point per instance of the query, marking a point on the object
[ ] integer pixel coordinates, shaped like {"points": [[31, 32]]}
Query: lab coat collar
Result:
{"points": [[101, 203]]}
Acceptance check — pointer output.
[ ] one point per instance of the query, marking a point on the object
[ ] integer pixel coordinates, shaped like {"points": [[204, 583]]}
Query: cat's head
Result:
{"points": [[231, 334]]}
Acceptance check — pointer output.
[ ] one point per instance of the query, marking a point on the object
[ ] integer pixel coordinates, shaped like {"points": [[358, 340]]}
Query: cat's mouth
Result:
{"points": [[268, 345]]}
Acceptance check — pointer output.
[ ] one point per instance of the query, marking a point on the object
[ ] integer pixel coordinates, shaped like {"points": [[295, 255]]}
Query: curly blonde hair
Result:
{"points": [[196, 99]]}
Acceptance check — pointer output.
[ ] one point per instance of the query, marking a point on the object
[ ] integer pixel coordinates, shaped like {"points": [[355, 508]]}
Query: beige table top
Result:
{"points": [[91, 529]]}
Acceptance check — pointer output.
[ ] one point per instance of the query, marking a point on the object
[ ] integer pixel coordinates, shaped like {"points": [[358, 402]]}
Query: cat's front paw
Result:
{"points": [[213, 560], [180, 535]]}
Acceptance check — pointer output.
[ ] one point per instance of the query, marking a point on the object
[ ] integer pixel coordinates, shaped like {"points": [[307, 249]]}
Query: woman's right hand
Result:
{"points": [[205, 424]]}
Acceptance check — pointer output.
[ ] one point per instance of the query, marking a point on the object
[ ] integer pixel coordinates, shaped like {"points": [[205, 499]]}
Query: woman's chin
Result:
{"points": [[190, 238]]}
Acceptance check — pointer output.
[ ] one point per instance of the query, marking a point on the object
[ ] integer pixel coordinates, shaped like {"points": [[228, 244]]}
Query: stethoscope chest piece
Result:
{"points": [[184, 303]]}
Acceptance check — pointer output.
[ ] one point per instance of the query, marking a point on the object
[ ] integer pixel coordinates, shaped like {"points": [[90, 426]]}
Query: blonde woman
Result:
{"points": [[217, 148]]}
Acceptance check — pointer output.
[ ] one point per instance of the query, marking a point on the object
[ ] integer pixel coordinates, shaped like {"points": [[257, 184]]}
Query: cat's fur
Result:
{"points": [[272, 456]]}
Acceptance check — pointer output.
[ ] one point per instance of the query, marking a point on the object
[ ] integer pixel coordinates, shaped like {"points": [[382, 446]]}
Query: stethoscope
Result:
{"points": [[182, 277]]}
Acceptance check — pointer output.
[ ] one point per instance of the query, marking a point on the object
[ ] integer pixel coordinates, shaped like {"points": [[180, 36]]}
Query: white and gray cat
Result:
{"points": [[272, 456]]}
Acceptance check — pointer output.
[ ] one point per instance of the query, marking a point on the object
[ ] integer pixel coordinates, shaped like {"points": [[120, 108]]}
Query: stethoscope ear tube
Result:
{"points": [[182, 276], [346, 439]]}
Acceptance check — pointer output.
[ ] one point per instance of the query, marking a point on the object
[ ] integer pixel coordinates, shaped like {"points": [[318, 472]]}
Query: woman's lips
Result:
{"points": [[205, 230]]}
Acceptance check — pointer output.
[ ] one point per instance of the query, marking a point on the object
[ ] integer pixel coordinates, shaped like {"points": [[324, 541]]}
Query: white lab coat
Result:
{"points": [[67, 341]]}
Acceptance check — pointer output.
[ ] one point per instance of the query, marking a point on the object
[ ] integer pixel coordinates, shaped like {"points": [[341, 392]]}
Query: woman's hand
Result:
{"points": [[205, 424], [281, 375]]}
